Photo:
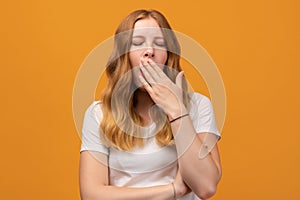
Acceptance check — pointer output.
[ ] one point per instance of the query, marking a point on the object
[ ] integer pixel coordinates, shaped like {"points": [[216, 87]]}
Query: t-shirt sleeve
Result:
{"points": [[90, 130], [202, 115]]}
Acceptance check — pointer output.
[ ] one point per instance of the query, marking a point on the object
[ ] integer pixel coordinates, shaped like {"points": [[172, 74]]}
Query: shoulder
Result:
{"points": [[198, 99], [94, 109], [93, 114], [91, 129], [200, 105], [95, 105], [202, 114]]}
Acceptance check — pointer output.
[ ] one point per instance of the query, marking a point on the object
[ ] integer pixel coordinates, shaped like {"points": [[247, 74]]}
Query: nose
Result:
{"points": [[149, 52]]}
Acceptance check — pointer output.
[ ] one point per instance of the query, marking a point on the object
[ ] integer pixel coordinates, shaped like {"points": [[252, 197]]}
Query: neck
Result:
{"points": [[144, 100], [143, 105]]}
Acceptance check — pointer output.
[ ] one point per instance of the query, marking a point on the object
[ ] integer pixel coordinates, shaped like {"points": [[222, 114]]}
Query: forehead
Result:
{"points": [[146, 27]]}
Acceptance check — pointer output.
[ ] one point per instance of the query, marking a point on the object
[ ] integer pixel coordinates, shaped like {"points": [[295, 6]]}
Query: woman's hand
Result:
{"points": [[180, 187], [167, 95]]}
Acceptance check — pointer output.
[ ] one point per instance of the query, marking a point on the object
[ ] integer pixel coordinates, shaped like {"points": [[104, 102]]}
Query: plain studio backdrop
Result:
{"points": [[255, 45]]}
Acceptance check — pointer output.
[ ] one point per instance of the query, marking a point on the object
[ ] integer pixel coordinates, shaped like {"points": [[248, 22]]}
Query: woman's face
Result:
{"points": [[147, 42]]}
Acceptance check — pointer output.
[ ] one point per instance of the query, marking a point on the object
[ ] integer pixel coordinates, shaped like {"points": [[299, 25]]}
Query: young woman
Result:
{"points": [[148, 138]]}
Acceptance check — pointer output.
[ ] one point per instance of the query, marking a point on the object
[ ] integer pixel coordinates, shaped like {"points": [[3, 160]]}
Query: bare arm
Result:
{"points": [[94, 183], [201, 175]]}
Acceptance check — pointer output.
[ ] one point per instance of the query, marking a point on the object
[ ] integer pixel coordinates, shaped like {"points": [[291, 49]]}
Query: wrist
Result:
{"points": [[176, 112], [177, 118]]}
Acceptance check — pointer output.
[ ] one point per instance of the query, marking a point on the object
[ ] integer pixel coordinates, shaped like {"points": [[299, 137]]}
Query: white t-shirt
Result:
{"points": [[150, 165]]}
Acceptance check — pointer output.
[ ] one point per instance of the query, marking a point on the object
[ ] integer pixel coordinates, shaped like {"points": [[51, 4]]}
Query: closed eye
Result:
{"points": [[137, 41], [160, 42]]}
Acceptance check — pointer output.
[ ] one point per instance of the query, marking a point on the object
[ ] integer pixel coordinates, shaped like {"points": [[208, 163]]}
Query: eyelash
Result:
{"points": [[156, 43]]}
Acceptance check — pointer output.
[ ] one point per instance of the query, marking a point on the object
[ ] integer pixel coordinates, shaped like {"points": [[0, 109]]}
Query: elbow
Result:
{"points": [[205, 193], [93, 193], [85, 196], [89, 195], [209, 188]]}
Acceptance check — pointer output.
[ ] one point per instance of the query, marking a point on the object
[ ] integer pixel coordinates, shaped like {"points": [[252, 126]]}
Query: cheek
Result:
{"points": [[161, 57], [134, 59], [135, 77]]}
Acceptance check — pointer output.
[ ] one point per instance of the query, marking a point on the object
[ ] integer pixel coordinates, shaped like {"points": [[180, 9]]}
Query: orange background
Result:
{"points": [[255, 44]]}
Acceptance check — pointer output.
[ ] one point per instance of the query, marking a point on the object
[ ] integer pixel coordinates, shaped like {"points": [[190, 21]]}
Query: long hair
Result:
{"points": [[120, 125]]}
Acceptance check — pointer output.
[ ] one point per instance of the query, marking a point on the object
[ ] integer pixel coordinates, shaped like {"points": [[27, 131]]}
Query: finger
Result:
{"points": [[156, 78], [157, 69], [145, 83], [179, 78], [146, 73], [150, 70], [153, 69]]}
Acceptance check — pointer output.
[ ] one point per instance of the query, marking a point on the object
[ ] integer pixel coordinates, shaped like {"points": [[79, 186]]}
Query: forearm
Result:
{"points": [[201, 175], [164, 192]]}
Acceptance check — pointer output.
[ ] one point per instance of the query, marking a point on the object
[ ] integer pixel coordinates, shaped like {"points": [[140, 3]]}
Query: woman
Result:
{"points": [[148, 138]]}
